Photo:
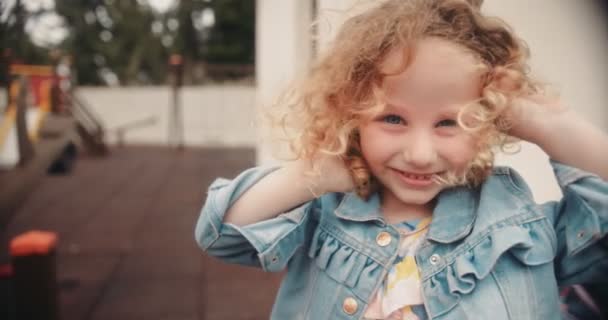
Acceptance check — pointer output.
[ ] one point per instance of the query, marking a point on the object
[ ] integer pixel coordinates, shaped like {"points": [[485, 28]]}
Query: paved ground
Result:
{"points": [[126, 247]]}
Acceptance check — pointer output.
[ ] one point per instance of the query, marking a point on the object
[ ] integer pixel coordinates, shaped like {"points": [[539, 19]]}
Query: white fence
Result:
{"points": [[212, 115]]}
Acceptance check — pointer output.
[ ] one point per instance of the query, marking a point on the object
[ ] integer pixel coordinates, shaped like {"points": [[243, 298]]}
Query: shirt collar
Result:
{"points": [[453, 216]]}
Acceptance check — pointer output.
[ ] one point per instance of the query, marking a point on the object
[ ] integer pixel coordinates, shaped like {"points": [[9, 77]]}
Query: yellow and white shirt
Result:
{"points": [[400, 296]]}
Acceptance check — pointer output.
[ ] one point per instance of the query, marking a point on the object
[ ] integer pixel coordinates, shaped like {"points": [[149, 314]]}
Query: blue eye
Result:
{"points": [[392, 119], [447, 123]]}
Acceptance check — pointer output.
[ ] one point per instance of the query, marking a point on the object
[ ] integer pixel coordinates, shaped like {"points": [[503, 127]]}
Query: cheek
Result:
{"points": [[367, 145], [459, 151], [373, 145]]}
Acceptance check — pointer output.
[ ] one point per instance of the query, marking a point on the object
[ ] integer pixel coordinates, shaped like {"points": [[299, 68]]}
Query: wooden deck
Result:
{"points": [[127, 251]]}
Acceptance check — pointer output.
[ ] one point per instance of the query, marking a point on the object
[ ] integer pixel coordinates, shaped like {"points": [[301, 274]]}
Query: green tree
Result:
{"points": [[113, 37], [127, 42], [13, 38], [232, 38]]}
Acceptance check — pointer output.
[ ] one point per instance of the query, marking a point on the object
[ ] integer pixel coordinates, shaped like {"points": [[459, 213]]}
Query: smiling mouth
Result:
{"points": [[416, 179], [416, 176]]}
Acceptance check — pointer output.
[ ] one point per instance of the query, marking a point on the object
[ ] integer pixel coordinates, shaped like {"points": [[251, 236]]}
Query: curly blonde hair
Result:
{"points": [[344, 87]]}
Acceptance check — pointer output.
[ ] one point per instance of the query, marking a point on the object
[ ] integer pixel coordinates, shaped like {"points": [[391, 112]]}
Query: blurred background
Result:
{"points": [[127, 43], [115, 115]]}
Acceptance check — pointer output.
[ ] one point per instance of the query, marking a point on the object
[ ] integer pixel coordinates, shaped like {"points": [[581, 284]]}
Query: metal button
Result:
{"points": [[383, 239], [580, 234], [350, 306], [274, 259], [434, 259]]}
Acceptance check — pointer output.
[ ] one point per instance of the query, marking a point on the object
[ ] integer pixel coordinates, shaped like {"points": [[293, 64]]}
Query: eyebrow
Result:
{"points": [[394, 109], [390, 106], [448, 110]]}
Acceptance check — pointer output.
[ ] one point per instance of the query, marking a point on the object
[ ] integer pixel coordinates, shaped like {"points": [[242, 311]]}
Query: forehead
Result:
{"points": [[439, 73]]}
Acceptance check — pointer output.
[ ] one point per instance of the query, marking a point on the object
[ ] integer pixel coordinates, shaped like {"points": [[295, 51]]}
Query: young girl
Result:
{"points": [[393, 209]]}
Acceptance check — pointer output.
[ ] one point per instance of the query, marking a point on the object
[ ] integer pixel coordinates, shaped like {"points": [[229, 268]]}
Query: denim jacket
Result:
{"points": [[491, 252]]}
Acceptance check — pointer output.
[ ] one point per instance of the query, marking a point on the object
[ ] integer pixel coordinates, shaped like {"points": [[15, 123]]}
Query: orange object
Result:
{"points": [[31, 70], [175, 59], [33, 242], [41, 79]]}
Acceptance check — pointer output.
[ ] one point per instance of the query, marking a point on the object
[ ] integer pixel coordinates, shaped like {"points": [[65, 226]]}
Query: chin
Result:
{"points": [[417, 200], [416, 197]]}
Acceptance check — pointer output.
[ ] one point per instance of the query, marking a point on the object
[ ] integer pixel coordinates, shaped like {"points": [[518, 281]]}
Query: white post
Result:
{"points": [[283, 50]]}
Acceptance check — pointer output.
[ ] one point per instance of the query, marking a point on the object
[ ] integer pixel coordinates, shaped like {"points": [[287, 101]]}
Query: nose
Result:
{"points": [[420, 152]]}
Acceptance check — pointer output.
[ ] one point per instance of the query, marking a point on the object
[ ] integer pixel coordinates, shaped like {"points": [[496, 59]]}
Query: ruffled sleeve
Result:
{"points": [[580, 220], [267, 244]]}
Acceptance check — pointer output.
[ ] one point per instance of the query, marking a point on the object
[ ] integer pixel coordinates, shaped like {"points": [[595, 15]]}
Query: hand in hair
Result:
{"points": [[563, 135], [295, 183], [328, 173], [529, 115]]}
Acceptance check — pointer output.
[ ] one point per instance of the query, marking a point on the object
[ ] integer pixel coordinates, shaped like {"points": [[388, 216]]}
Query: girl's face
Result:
{"points": [[417, 135]]}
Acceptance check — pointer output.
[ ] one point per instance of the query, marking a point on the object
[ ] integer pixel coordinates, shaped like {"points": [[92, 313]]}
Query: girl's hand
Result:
{"points": [[561, 133], [326, 173], [530, 116]]}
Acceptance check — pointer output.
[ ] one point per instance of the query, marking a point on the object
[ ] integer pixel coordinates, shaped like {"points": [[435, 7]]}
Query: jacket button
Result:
{"points": [[383, 239], [434, 259], [350, 306]]}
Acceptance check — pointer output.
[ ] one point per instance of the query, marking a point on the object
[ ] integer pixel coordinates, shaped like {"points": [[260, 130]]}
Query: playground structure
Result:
{"points": [[40, 128]]}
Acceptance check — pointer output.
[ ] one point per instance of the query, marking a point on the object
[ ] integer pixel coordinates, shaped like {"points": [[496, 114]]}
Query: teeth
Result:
{"points": [[417, 177]]}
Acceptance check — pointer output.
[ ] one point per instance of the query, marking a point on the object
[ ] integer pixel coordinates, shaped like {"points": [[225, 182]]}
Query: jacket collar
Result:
{"points": [[453, 216], [352, 207]]}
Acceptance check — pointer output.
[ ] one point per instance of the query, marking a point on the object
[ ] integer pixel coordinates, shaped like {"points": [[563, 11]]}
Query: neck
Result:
{"points": [[395, 211]]}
